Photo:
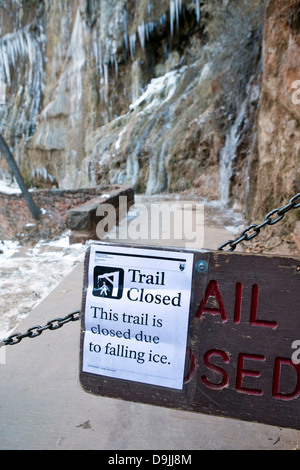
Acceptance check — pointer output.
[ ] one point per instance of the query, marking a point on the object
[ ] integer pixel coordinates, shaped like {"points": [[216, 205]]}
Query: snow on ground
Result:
{"points": [[9, 188], [29, 274]]}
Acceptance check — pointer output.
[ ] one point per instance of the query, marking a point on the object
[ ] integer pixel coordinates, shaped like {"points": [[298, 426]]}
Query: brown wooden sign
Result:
{"points": [[243, 325]]}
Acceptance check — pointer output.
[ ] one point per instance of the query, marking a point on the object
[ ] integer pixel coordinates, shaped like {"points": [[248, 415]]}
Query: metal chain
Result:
{"points": [[253, 230], [246, 235], [35, 331]]}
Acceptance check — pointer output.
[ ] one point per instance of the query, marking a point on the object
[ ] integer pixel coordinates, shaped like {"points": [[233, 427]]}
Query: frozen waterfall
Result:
{"points": [[22, 68], [228, 154]]}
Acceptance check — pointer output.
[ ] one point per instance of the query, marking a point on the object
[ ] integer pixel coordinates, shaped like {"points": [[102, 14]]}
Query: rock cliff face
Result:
{"points": [[167, 95], [276, 174]]}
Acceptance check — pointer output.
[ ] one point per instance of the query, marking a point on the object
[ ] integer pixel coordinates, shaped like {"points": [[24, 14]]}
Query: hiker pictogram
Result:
{"points": [[108, 282]]}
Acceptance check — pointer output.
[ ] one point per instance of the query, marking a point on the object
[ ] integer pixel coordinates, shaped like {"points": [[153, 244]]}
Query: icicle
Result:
{"points": [[162, 19], [30, 49], [228, 154], [107, 60], [141, 31], [177, 13], [125, 34], [2, 93], [105, 75], [6, 63], [172, 11], [149, 28], [100, 62], [95, 47], [15, 45], [10, 47], [20, 39], [25, 46], [2, 71], [150, 7], [198, 12], [132, 40], [146, 29], [175, 10], [41, 173]]}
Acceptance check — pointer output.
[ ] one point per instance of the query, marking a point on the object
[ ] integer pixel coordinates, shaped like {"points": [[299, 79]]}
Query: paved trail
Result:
{"points": [[44, 407]]}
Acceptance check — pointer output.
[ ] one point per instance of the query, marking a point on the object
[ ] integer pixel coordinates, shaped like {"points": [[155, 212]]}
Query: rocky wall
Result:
{"points": [[166, 96], [142, 93], [277, 169]]}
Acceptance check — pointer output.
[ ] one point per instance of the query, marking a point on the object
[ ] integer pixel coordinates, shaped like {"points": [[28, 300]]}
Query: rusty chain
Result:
{"points": [[253, 230], [57, 323]]}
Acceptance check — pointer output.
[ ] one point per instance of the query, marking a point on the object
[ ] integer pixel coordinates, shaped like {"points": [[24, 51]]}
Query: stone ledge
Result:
{"points": [[83, 220]]}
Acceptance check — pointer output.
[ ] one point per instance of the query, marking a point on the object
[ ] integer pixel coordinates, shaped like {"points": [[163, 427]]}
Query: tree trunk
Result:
{"points": [[35, 211]]}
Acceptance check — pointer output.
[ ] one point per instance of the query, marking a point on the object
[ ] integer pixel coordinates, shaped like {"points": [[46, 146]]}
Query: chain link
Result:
{"points": [[248, 234], [253, 230], [35, 331]]}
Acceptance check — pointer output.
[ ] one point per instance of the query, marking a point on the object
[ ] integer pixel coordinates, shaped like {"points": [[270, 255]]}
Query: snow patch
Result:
{"points": [[159, 91], [28, 275]]}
